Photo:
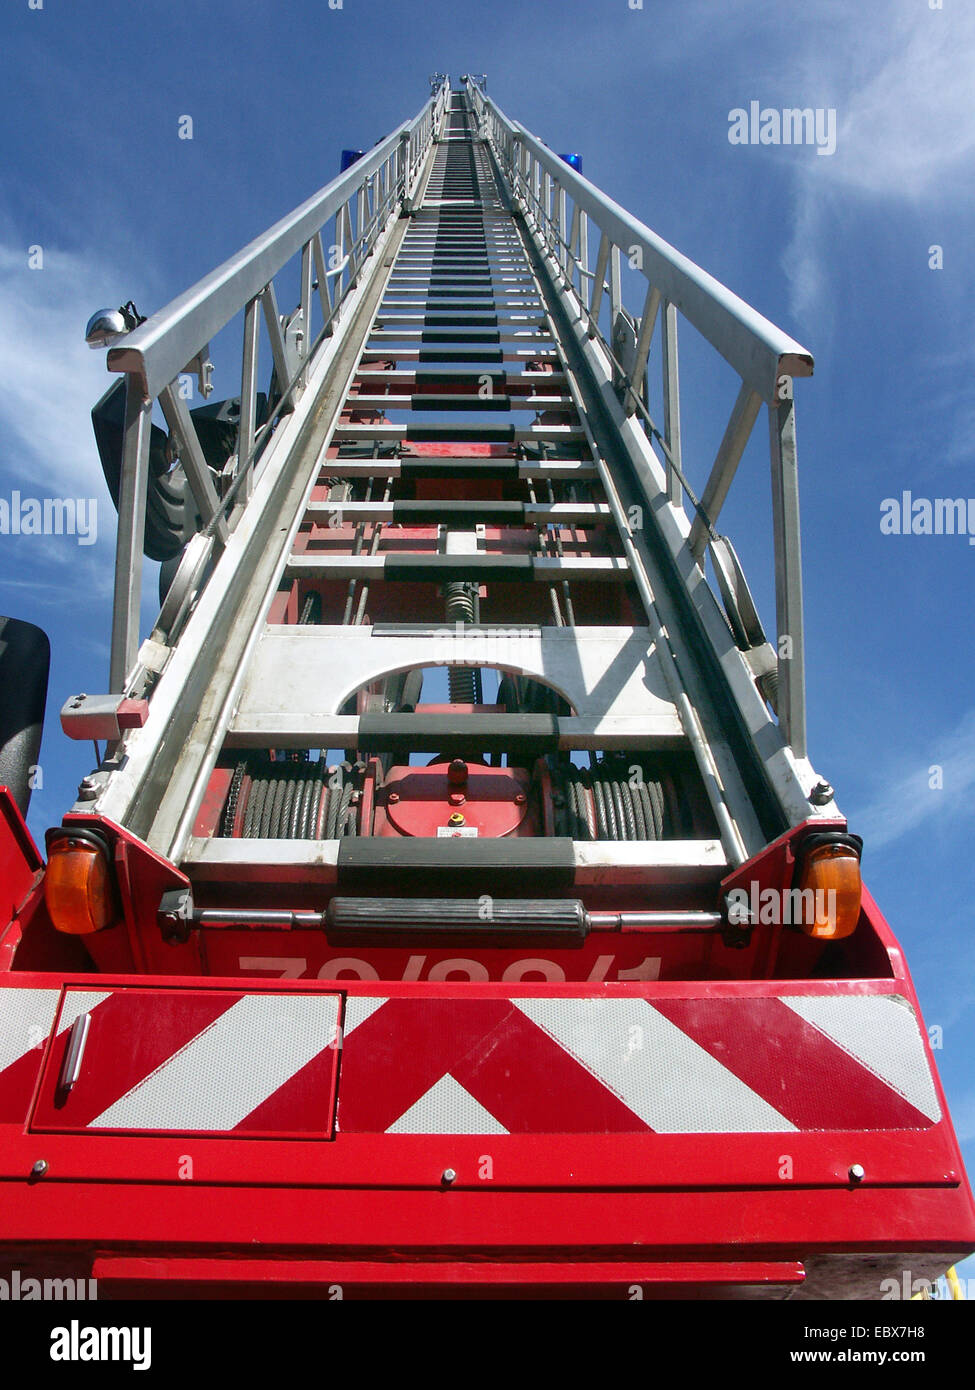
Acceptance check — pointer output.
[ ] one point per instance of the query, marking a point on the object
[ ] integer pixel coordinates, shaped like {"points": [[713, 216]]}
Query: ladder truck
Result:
{"points": [[454, 907]]}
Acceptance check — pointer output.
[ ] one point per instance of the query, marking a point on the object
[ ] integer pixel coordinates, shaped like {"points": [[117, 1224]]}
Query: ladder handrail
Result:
{"points": [[176, 340], [759, 351], [159, 349], [764, 357]]}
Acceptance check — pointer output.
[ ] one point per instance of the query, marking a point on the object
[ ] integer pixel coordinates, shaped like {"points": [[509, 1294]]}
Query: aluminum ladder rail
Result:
{"points": [[765, 358]]}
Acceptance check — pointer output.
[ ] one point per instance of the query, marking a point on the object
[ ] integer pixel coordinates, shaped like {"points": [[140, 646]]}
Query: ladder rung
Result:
{"points": [[432, 258], [431, 354], [503, 381], [454, 305], [442, 401], [460, 434], [439, 569], [567, 470], [456, 400], [473, 264], [443, 512], [453, 245], [448, 293], [455, 734], [459, 278], [472, 335]]}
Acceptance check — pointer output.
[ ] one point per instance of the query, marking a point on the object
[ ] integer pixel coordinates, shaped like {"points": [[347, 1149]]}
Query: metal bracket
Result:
{"points": [[102, 716], [294, 337], [203, 367], [624, 349], [175, 915]]}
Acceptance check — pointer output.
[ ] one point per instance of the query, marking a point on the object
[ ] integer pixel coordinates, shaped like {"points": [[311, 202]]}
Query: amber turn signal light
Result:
{"points": [[79, 886], [828, 878]]}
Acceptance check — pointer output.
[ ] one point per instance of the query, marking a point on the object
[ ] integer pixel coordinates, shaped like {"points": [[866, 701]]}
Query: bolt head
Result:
{"points": [[39, 1168], [821, 794], [520, 799], [448, 1176], [393, 798], [857, 1172]]}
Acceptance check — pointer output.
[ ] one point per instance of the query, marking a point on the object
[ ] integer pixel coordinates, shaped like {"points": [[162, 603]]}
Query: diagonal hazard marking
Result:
{"points": [[25, 1022], [882, 1032], [521, 1077], [808, 1077], [661, 1074], [394, 1056], [220, 1076], [534, 1086], [447, 1108]]}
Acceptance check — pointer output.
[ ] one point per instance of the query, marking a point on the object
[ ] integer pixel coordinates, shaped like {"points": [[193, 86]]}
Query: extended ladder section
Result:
{"points": [[457, 497], [457, 516]]}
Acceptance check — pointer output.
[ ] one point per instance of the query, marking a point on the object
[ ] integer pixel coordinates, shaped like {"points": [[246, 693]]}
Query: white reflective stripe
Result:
{"points": [[225, 1072], [882, 1032], [357, 1010], [659, 1072], [447, 1108], [78, 1002], [26, 1016]]}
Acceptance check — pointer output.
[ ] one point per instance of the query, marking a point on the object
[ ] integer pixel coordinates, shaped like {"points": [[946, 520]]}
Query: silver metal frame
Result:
{"points": [[365, 197], [204, 675], [764, 357]]}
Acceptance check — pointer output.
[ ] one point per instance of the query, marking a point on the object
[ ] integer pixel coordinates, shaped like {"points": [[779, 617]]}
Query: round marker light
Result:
{"points": [[79, 888], [828, 879]]}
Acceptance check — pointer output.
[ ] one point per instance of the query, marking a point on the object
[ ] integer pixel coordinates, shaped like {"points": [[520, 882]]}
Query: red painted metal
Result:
{"points": [[422, 801], [590, 1199], [344, 1276], [136, 1034], [308, 955], [20, 860]]}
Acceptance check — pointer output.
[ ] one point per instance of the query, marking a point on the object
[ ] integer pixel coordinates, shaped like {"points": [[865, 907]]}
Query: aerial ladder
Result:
{"points": [[454, 906]]}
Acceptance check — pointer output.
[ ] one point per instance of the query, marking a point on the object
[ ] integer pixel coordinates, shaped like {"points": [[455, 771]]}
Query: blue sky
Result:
{"points": [[835, 249]]}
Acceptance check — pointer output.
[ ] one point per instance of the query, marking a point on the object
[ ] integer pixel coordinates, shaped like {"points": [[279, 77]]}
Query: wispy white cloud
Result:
{"points": [[906, 799], [51, 379], [806, 272], [906, 125], [911, 126]]}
